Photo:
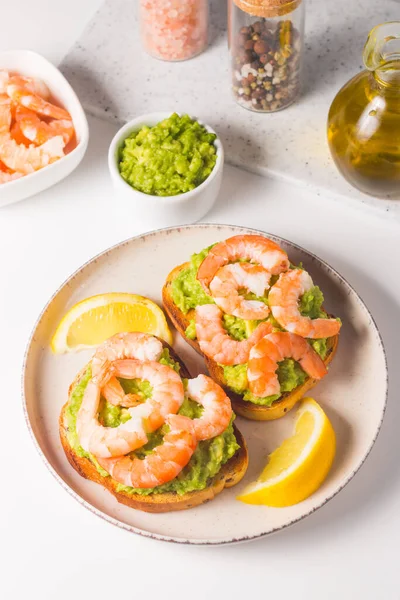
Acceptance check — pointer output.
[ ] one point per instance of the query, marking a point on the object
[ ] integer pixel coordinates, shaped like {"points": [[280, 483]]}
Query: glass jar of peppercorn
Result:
{"points": [[266, 46]]}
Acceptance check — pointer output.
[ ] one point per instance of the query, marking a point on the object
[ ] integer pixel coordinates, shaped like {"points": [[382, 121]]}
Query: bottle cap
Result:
{"points": [[267, 8]]}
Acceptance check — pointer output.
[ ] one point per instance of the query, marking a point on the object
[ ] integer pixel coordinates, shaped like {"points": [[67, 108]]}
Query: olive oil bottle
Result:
{"points": [[364, 118]]}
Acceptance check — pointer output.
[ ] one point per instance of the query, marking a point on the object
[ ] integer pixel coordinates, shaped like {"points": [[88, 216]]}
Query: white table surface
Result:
{"points": [[50, 547]]}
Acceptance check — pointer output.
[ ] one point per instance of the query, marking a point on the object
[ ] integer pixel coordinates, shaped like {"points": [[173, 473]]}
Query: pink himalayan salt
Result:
{"points": [[174, 29]]}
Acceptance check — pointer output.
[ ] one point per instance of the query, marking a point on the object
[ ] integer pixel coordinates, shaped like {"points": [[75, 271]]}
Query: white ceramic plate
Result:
{"points": [[353, 394]]}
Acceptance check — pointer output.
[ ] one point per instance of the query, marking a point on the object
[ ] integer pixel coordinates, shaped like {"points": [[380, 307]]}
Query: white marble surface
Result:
{"points": [[117, 80]]}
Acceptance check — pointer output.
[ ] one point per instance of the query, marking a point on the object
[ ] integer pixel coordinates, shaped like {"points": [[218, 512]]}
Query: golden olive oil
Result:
{"points": [[364, 118]]}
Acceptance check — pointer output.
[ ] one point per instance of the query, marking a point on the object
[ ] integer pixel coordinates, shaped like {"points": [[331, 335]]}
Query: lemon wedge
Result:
{"points": [[97, 318], [298, 467]]}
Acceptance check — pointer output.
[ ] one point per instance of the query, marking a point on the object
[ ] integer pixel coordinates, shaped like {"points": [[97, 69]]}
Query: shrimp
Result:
{"points": [[255, 248], [38, 131], [36, 86], [18, 136], [141, 346], [137, 345], [5, 116], [7, 112], [163, 464], [215, 342], [27, 160], [21, 95], [6, 174], [108, 441], [4, 79], [273, 348], [227, 282], [217, 407], [166, 399], [114, 393], [168, 393], [33, 85], [7, 177], [283, 300]]}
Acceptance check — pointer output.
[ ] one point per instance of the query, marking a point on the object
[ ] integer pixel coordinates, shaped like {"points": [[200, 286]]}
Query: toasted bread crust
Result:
{"points": [[241, 407], [229, 475]]}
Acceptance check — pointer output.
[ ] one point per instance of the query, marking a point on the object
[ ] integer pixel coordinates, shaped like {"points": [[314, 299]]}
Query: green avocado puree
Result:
{"points": [[206, 461], [290, 375], [173, 157], [187, 293]]}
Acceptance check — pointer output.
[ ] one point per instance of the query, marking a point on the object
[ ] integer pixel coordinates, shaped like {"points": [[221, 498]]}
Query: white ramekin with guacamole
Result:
{"points": [[166, 168]]}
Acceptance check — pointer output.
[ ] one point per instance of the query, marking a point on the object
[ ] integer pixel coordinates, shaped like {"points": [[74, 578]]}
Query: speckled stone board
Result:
{"points": [[116, 79]]}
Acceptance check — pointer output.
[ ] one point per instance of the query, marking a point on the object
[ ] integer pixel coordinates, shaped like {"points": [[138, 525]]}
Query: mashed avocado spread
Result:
{"points": [[173, 157], [206, 461], [187, 293]]}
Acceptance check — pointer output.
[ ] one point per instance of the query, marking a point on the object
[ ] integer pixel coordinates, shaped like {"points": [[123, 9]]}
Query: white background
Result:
{"points": [[50, 546]]}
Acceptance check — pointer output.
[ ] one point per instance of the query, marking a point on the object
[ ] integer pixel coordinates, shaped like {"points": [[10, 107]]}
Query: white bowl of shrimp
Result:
{"points": [[158, 210], [43, 128]]}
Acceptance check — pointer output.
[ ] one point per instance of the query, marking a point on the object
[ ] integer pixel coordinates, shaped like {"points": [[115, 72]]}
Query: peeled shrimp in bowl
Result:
{"points": [[43, 128], [34, 132]]}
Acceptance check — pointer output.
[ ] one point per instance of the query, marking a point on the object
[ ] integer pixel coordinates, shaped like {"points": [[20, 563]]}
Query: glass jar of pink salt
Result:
{"points": [[174, 29]]}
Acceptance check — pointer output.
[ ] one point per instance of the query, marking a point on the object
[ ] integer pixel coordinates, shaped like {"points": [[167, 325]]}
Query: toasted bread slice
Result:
{"points": [[241, 407], [229, 475]]}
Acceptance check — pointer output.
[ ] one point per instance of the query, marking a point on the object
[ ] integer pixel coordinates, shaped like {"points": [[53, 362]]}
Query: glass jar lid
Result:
{"points": [[267, 8]]}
